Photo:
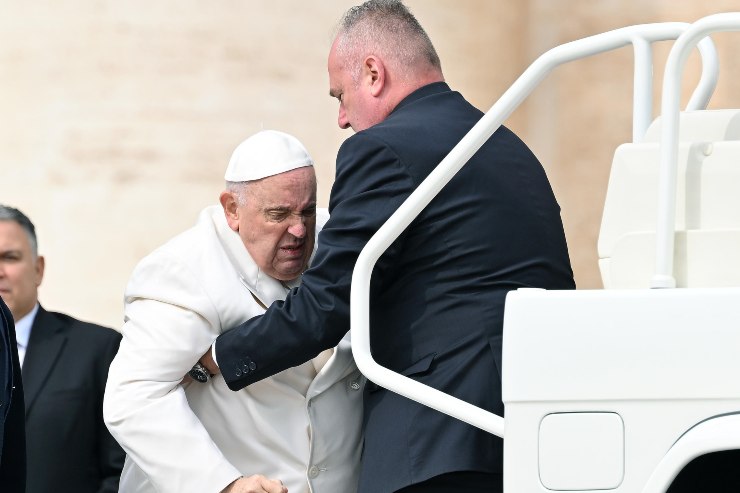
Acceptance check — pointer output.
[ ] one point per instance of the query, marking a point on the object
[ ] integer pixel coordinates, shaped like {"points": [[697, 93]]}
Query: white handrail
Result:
{"points": [[666, 226], [642, 101], [451, 164]]}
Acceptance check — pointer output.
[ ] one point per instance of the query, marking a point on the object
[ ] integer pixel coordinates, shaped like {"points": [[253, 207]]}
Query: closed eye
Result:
{"points": [[11, 256], [277, 216]]}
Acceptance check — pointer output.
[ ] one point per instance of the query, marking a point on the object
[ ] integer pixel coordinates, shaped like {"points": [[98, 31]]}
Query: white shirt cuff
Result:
{"points": [[213, 353]]}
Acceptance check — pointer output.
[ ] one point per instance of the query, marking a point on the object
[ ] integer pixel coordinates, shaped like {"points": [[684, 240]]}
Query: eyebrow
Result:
{"points": [[285, 208], [278, 208]]}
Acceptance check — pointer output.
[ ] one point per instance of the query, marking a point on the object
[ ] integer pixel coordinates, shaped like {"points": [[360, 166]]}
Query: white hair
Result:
{"points": [[240, 190]]}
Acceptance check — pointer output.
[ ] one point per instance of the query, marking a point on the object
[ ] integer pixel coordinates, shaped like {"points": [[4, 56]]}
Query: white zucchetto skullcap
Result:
{"points": [[264, 154]]}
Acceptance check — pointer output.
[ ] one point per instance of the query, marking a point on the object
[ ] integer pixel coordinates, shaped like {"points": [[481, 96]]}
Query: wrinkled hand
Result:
{"points": [[207, 361], [255, 484]]}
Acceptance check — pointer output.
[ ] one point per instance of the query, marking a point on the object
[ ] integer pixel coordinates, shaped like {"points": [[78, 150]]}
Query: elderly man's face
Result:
{"points": [[278, 222], [20, 272]]}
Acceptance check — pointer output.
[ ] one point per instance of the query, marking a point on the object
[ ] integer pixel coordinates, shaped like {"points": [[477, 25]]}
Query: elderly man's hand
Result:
{"points": [[256, 484]]}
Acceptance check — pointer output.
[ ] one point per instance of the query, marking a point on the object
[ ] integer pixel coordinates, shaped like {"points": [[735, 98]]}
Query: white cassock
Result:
{"points": [[301, 426]]}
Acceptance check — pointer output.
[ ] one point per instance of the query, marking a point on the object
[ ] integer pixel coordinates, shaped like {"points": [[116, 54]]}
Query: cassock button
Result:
{"points": [[252, 365], [238, 372], [313, 471]]}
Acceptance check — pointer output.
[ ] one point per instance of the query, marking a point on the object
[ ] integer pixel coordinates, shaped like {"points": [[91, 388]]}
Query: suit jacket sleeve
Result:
{"points": [[169, 323], [111, 455], [371, 183], [13, 434]]}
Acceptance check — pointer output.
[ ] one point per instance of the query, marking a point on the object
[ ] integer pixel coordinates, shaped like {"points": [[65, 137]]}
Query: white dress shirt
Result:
{"points": [[23, 332]]}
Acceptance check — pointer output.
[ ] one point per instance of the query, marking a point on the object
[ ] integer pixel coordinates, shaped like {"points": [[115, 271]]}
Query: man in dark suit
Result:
{"points": [[12, 427], [65, 367], [437, 294]]}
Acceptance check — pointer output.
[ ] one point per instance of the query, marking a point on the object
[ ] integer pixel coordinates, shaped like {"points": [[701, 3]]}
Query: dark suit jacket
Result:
{"points": [[437, 295], [12, 428], [65, 370]]}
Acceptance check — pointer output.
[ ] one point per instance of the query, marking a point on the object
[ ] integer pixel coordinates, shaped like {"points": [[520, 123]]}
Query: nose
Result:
{"points": [[342, 119], [298, 228]]}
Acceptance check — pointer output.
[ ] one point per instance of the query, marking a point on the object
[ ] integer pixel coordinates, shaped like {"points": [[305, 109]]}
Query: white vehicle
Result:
{"points": [[616, 389]]}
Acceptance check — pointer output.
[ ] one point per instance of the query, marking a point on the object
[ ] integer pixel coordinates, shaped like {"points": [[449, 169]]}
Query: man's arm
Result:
{"points": [[13, 438], [169, 322], [370, 185], [110, 453]]}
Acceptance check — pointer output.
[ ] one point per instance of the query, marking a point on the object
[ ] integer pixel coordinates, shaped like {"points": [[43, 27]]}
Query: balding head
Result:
{"points": [[380, 55], [388, 29]]}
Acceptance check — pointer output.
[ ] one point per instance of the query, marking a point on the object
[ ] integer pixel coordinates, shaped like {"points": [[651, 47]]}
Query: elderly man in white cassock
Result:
{"points": [[297, 431]]}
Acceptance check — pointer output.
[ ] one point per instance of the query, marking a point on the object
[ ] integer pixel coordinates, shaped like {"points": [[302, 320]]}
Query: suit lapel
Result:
{"points": [[339, 366], [44, 346]]}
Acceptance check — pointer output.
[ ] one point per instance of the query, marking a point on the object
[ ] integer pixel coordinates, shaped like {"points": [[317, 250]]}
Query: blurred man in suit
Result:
{"points": [[12, 428], [65, 367]]}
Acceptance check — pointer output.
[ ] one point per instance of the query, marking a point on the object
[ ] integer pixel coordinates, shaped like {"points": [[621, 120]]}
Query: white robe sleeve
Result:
{"points": [[169, 323]]}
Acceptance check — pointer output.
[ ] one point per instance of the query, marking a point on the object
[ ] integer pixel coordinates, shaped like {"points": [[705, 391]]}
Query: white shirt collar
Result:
{"points": [[23, 327], [261, 285]]}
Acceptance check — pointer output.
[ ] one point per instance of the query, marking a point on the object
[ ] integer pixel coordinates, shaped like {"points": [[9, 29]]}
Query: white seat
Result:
{"points": [[701, 126], [707, 223]]}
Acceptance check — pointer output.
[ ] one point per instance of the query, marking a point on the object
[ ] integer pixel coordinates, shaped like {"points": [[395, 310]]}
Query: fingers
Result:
{"points": [[256, 484], [273, 485]]}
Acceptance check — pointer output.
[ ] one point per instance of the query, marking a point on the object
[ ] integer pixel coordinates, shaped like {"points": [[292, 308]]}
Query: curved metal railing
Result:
{"points": [[666, 225]]}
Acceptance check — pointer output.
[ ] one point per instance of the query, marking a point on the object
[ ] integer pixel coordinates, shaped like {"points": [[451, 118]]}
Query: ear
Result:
{"points": [[373, 71], [40, 264], [231, 209]]}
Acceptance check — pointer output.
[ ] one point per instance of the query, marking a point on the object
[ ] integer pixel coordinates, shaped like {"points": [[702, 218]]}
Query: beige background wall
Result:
{"points": [[118, 118]]}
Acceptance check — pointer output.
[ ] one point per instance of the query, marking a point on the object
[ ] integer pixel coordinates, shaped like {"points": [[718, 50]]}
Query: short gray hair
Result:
{"points": [[240, 190], [8, 213], [388, 29]]}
